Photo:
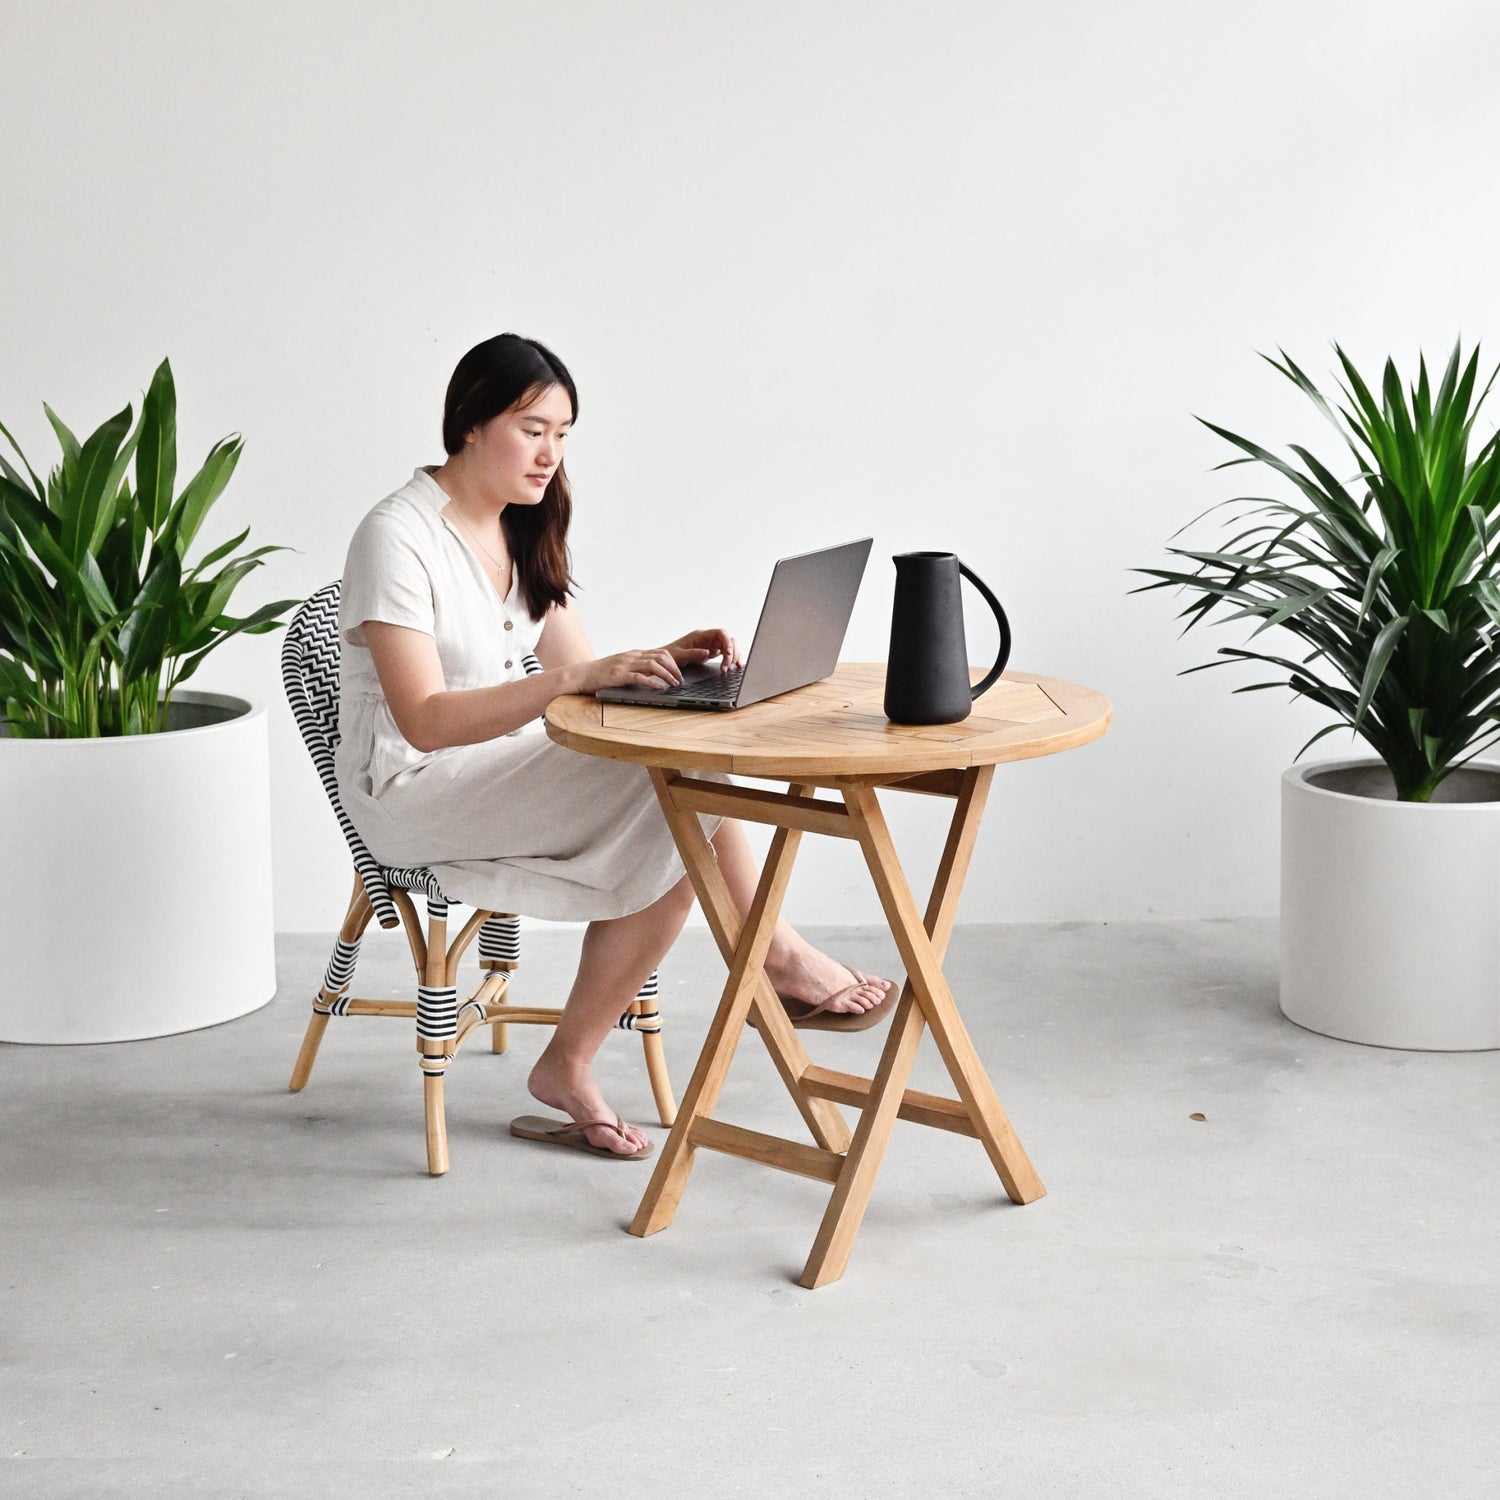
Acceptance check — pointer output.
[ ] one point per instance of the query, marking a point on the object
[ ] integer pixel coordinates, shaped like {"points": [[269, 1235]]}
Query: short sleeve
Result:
{"points": [[385, 578]]}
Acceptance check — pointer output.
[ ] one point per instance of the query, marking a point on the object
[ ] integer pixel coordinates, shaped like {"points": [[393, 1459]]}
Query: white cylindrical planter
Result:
{"points": [[135, 891], [1390, 911]]}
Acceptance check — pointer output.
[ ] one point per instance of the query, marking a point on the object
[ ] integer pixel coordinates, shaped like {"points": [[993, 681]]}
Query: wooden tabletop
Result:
{"points": [[837, 728]]}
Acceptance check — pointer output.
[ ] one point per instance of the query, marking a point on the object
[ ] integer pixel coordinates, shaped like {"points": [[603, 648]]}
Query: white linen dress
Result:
{"points": [[515, 824]]}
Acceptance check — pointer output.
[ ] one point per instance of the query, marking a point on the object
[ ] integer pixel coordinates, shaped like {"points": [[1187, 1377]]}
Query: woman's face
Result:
{"points": [[518, 451]]}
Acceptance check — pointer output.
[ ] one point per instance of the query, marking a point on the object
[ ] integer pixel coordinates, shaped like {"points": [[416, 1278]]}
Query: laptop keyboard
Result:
{"points": [[725, 685]]}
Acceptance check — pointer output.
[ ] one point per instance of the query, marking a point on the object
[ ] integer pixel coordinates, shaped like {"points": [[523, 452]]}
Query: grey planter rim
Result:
{"points": [[240, 709], [1300, 775]]}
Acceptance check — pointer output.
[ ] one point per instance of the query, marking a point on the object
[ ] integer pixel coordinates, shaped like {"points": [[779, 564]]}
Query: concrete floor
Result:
{"points": [[216, 1288]]}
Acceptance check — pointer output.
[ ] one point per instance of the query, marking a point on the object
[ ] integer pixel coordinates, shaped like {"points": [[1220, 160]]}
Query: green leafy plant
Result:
{"points": [[101, 616], [1389, 577]]}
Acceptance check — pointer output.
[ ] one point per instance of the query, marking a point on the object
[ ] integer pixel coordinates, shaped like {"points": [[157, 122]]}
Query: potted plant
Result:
{"points": [[1390, 582], [136, 885]]}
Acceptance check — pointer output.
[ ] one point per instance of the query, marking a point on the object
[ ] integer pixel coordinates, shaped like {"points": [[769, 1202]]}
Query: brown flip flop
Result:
{"points": [[570, 1133], [806, 1016]]}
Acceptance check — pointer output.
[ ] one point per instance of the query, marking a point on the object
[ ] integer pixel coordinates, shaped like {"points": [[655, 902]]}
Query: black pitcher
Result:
{"points": [[927, 671]]}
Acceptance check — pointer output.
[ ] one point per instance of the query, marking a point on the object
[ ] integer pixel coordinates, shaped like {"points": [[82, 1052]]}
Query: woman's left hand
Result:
{"points": [[704, 645]]}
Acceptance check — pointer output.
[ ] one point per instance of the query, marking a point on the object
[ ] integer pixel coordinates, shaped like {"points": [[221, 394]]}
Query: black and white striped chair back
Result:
{"points": [[310, 655], [310, 659]]}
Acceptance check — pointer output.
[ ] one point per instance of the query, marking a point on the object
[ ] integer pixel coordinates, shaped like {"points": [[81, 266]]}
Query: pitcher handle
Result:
{"points": [[993, 674]]}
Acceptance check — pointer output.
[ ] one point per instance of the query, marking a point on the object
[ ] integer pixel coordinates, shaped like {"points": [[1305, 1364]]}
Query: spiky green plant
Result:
{"points": [[101, 616], [1389, 578]]}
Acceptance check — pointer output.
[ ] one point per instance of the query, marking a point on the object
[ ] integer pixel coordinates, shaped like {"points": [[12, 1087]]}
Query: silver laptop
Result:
{"points": [[798, 639]]}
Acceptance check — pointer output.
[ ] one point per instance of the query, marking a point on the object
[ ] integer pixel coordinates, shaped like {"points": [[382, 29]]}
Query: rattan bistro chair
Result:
{"points": [[310, 672]]}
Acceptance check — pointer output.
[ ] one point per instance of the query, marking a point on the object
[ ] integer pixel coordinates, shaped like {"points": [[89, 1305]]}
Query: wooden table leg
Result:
{"points": [[828, 1127], [745, 974], [923, 959], [851, 1194]]}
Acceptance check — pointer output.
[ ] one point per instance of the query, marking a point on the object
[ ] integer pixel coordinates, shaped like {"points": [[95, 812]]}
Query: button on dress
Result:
{"points": [[518, 823]]}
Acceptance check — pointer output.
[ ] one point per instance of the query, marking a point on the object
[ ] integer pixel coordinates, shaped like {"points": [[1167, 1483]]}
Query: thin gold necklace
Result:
{"points": [[500, 567]]}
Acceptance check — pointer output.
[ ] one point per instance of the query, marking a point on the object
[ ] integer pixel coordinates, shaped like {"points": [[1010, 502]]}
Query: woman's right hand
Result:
{"points": [[648, 669]]}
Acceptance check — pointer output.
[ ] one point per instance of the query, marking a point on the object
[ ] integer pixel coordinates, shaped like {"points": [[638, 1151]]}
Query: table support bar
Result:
{"points": [[768, 1150], [780, 809], [918, 1107]]}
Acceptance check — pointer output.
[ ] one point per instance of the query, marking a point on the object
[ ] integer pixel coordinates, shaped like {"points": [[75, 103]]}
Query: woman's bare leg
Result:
{"points": [[616, 960], [796, 968], [618, 956]]}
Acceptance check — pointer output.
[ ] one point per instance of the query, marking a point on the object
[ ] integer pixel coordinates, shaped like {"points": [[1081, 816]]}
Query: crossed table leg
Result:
{"points": [[850, 1165]]}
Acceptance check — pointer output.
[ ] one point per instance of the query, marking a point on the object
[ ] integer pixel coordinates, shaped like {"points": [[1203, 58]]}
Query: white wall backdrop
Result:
{"points": [[955, 274]]}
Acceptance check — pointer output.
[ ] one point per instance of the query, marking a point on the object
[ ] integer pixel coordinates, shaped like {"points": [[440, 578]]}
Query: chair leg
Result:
{"points": [[335, 983], [500, 1030], [644, 1017], [500, 950], [661, 1084], [437, 1025], [317, 1024], [437, 1122]]}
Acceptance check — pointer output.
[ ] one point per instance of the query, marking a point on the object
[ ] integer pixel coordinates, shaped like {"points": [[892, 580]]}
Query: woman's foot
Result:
{"points": [[574, 1091], [800, 972]]}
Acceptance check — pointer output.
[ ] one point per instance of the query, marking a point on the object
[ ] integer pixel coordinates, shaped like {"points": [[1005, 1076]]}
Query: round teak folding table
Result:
{"points": [[833, 736]]}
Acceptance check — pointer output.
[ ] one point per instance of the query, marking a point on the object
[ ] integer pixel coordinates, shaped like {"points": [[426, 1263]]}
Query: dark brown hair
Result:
{"points": [[504, 372]]}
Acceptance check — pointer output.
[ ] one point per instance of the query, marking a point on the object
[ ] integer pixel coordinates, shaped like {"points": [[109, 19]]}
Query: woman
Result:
{"points": [[450, 583]]}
